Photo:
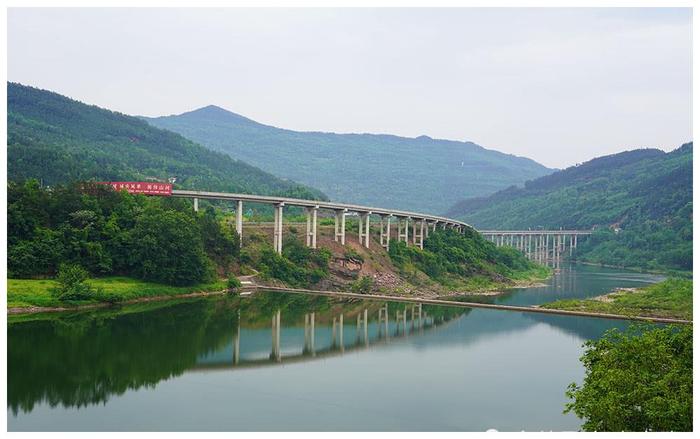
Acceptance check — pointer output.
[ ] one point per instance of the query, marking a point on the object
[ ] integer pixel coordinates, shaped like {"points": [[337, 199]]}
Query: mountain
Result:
{"points": [[641, 202], [57, 139], [421, 174]]}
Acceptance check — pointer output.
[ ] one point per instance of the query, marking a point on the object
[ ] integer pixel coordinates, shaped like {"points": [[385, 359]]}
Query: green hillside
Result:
{"points": [[421, 174], [639, 201], [56, 139]]}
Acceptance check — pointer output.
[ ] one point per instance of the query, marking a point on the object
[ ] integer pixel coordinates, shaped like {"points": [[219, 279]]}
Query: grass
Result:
{"points": [[672, 298], [24, 293]]}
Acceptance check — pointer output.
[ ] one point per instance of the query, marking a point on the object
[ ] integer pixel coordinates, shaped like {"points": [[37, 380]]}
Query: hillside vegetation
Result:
{"points": [[156, 239], [57, 140], [419, 174], [640, 203]]}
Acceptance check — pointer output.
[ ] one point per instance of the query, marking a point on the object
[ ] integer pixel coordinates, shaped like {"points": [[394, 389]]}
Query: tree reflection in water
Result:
{"points": [[80, 359]]}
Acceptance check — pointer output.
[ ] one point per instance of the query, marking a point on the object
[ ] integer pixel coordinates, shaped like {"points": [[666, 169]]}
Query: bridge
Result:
{"points": [[535, 244], [421, 223]]}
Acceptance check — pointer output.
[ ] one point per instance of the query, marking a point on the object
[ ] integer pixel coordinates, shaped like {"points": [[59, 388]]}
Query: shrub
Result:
{"points": [[233, 284], [72, 283], [362, 285], [352, 254]]}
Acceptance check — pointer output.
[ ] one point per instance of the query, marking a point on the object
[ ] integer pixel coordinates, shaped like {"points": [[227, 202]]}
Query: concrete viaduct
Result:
{"points": [[422, 224], [538, 245]]}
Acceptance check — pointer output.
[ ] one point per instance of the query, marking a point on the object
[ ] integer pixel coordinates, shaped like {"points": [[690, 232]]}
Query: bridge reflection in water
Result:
{"points": [[364, 332]]}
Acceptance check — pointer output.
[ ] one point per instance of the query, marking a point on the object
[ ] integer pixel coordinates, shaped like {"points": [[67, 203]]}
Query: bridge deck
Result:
{"points": [[312, 203]]}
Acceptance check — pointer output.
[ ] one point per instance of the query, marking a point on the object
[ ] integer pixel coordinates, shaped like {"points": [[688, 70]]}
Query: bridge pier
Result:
{"points": [[364, 229], [385, 231], [196, 204], [541, 248], [239, 221], [418, 239], [571, 245], [277, 235], [311, 226], [403, 230], [529, 246], [340, 226]]}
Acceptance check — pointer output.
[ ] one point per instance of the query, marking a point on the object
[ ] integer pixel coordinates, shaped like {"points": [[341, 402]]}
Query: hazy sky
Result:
{"points": [[557, 85]]}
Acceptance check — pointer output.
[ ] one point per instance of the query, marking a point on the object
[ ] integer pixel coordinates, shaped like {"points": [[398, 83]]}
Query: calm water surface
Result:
{"points": [[224, 364]]}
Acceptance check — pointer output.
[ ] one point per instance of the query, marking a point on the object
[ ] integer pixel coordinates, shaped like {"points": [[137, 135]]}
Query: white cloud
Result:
{"points": [[558, 85]]}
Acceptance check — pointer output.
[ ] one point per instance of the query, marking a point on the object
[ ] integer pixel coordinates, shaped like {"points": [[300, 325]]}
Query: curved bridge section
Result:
{"points": [[539, 245], [421, 224]]}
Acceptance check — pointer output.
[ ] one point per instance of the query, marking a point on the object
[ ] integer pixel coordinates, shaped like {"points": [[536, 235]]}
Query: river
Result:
{"points": [[224, 363]]}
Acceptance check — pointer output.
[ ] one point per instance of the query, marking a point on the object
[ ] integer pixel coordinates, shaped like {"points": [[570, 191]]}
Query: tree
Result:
{"points": [[167, 247], [637, 380], [72, 283]]}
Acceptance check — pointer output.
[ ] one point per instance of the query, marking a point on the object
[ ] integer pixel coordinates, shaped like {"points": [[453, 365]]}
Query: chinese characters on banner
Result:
{"points": [[140, 187]]}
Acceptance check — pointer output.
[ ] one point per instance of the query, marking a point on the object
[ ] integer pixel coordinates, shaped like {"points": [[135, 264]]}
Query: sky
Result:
{"points": [[560, 86]]}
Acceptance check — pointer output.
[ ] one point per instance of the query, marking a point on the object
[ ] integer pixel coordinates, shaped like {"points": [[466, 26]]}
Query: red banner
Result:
{"points": [[141, 187]]}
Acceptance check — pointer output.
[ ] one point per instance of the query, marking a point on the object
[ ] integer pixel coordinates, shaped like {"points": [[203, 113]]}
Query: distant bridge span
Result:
{"points": [[534, 243]]}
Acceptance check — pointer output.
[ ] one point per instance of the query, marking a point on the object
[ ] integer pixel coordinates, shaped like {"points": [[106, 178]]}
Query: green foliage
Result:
{"points": [[233, 284], [167, 247], [352, 254], [448, 253], [329, 161], [298, 266], [362, 285], [221, 243], [645, 194], [56, 139], [638, 380], [23, 293], [671, 298], [72, 283], [106, 232]]}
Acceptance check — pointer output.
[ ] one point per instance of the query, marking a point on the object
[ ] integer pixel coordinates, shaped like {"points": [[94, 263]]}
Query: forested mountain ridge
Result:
{"points": [[56, 139], [419, 174], [640, 201]]}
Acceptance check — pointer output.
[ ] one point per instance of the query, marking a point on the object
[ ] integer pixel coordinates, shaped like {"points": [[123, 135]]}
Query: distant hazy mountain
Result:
{"points": [[421, 174], [57, 139], [640, 200]]}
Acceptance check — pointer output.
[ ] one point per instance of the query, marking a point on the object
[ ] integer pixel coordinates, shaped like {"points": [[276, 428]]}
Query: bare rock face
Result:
{"points": [[345, 268]]}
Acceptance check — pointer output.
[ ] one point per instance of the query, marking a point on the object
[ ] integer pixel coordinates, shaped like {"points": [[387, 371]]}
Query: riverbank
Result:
{"points": [[674, 273], [672, 298], [527, 309], [34, 295], [658, 292]]}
